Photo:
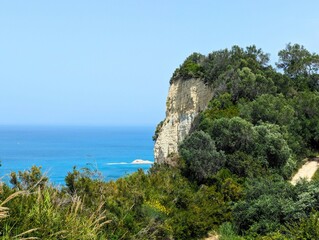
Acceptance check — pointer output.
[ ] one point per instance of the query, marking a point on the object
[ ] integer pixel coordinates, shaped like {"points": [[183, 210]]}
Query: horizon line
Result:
{"points": [[76, 125]]}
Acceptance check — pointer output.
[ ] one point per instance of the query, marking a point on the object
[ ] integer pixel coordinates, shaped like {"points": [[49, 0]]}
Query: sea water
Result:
{"points": [[110, 150]]}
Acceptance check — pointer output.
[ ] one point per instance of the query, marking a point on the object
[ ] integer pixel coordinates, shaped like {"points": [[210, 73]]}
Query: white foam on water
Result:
{"points": [[117, 163]]}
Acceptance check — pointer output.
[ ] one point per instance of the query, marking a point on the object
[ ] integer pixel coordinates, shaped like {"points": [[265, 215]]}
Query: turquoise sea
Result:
{"points": [[110, 150]]}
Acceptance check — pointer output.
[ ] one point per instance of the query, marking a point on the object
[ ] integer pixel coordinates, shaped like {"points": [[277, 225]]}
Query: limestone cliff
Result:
{"points": [[186, 98]]}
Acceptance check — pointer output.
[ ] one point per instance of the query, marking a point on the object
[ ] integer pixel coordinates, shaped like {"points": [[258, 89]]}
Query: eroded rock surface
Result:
{"points": [[186, 98]]}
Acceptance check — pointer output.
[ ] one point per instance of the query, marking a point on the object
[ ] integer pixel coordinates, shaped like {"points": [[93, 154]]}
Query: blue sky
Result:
{"points": [[109, 62]]}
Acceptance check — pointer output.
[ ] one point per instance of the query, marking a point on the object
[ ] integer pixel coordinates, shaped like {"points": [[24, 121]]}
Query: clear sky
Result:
{"points": [[74, 62]]}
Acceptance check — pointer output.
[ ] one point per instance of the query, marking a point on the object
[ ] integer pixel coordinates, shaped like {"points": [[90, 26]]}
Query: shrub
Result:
{"points": [[234, 134], [201, 156], [28, 179]]}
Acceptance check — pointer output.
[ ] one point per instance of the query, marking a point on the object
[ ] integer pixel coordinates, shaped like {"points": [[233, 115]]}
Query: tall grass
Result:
{"points": [[44, 212]]}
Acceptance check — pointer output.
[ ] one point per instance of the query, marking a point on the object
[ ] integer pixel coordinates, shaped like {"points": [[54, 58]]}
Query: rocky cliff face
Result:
{"points": [[186, 98]]}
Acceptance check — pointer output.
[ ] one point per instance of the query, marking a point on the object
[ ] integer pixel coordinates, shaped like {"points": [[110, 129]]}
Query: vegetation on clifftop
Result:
{"points": [[232, 171], [263, 123]]}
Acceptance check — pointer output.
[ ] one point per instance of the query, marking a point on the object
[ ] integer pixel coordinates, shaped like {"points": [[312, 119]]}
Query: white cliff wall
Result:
{"points": [[186, 98]]}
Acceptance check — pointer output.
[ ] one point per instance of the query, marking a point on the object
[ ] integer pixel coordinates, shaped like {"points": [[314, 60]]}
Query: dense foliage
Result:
{"points": [[263, 122], [232, 175], [162, 204]]}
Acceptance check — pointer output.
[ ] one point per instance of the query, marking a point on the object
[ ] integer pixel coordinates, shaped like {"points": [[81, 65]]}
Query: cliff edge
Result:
{"points": [[186, 98]]}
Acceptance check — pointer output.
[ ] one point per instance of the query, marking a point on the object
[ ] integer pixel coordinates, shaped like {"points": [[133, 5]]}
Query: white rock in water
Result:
{"points": [[141, 161]]}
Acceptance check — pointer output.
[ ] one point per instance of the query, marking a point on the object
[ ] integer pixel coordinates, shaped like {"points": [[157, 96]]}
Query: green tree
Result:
{"points": [[201, 156], [271, 145], [191, 68], [295, 60], [219, 107], [306, 229], [268, 108], [306, 105], [249, 85], [234, 134], [244, 165], [262, 209]]}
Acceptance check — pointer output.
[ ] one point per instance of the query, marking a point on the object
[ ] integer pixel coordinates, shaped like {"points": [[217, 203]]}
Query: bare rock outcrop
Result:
{"points": [[186, 98]]}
